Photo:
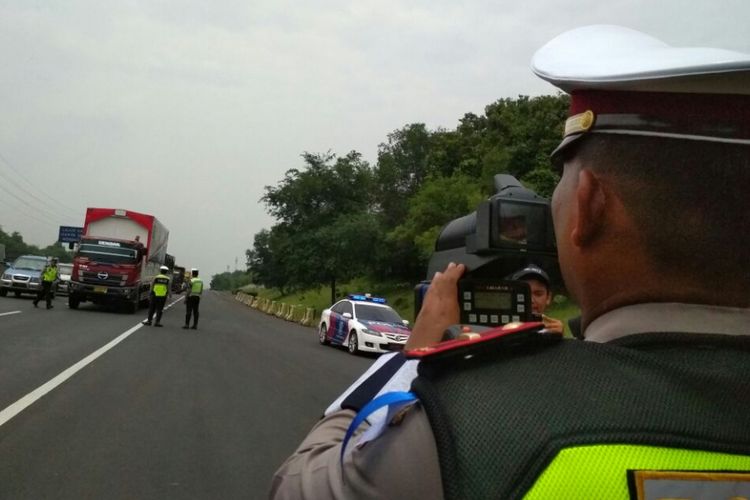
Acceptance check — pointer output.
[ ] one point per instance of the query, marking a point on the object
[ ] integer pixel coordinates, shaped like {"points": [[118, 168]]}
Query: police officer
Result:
{"points": [[649, 217], [49, 276], [541, 295], [160, 290], [194, 289]]}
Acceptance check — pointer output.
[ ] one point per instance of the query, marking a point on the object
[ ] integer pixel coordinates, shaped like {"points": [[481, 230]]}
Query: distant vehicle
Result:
{"points": [[178, 279], [23, 276], [118, 256], [62, 285], [363, 323]]}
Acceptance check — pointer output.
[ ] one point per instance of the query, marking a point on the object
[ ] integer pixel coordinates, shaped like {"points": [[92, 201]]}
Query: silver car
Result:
{"points": [[24, 276]]}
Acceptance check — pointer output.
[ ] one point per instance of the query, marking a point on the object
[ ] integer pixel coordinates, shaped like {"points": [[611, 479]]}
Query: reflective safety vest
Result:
{"points": [[572, 419], [196, 286], [160, 286], [50, 273]]}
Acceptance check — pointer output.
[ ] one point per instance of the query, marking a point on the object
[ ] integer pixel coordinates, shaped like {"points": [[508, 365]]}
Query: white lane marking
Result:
{"points": [[29, 399], [9, 313]]}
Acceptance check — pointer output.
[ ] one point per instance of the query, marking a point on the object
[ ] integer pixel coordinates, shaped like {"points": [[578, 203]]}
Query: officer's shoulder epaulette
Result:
{"points": [[510, 338]]}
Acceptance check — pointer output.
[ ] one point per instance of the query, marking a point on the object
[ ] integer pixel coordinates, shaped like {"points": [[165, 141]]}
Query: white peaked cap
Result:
{"points": [[625, 82], [617, 58]]}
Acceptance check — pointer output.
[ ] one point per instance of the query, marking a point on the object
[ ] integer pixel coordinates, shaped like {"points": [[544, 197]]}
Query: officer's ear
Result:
{"points": [[591, 200]]}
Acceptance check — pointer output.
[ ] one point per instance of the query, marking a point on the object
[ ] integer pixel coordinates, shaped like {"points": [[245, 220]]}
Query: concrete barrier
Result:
{"points": [[309, 318], [281, 310], [290, 313], [297, 313]]}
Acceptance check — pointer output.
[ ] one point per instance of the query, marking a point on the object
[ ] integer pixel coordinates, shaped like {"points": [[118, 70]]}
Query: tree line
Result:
{"points": [[339, 217], [15, 247]]}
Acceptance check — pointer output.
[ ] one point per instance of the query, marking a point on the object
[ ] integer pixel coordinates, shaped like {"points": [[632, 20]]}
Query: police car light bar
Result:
{"points": [[367, 298]]}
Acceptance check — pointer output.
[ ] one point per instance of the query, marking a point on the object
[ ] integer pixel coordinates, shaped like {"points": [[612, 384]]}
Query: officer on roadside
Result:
{"points": [[160, 290], [541, 295], [649, 215], [49, 276], [194, 289]]}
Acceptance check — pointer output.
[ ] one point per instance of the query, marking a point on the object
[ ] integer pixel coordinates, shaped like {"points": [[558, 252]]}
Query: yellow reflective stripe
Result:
{"points": [[160, 289], [600, 471]]}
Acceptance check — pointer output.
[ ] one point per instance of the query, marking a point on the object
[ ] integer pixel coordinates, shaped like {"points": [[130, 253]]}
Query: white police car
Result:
{"points": [[363, 323]]}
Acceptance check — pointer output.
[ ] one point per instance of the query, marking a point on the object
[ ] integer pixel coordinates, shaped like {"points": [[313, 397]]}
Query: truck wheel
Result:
{"points": [[73, 301], [134, 306]]}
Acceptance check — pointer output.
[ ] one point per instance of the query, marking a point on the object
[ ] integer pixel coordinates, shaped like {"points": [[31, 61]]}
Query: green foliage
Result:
{"points": [[326, 228], [341, 218], [542, 181], [15, 247], [230, 280], [438, 200]]}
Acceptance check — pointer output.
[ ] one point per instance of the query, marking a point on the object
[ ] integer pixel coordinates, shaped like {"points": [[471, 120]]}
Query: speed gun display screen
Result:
{"points": [[493, 302]]}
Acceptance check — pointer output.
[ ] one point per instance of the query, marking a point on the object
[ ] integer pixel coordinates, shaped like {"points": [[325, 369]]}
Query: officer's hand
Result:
{"points": [[439, 309], [552, 324]]}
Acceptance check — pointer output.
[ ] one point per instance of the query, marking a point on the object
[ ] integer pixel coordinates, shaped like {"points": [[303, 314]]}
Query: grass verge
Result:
{"points": [[400, 297]]}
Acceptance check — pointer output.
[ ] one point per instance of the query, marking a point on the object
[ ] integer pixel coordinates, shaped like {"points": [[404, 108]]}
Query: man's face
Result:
{"points": [[540, 296], [513, 228]]}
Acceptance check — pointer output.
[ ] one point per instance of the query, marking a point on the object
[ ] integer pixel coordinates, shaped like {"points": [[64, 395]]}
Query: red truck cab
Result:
{"points": [[117, 258]]}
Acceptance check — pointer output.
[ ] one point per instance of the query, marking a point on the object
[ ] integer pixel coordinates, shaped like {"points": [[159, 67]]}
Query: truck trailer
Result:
{"points": [[117, 258]]}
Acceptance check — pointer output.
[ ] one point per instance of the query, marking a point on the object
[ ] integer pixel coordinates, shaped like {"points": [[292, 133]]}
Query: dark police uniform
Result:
{"points": [[653, 404], [159, 292]]}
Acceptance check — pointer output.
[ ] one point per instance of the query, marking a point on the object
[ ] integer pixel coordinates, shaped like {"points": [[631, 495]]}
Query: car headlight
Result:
{"points": [[6, 276], [34, 280], [372, 332]]}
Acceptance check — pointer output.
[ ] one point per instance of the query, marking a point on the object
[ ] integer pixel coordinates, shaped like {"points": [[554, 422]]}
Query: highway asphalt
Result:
{"points": [[94, 405]]}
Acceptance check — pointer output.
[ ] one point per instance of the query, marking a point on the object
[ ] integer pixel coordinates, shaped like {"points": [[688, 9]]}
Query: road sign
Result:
{"points": [[70, 234]]}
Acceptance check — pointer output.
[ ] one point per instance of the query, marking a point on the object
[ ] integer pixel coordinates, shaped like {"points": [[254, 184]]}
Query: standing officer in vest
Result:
{"points": [[194, 289], [49, 275], [160, 290], [651, 221]]}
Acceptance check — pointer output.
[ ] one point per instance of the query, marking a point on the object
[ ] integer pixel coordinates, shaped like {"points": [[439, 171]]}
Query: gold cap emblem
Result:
{"points": [[579, 123]]}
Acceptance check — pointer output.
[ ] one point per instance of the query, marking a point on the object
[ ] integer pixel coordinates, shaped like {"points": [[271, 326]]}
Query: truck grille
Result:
{"points": [[101, 278], [21, 277]]}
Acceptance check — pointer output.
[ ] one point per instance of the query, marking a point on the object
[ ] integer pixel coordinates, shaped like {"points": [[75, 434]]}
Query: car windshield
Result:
{"points": [[369, 312], [30, 264], [110, 252]]}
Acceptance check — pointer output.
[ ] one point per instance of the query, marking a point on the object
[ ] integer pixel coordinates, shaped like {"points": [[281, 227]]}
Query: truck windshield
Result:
{"points": [[109, 252]]}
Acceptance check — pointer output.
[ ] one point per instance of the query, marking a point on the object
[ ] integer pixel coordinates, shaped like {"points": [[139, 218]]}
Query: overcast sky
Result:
{"points": [[186, 110]]}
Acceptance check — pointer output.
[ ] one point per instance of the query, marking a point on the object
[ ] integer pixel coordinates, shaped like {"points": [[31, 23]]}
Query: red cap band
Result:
{"points": [[713, 110]]}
